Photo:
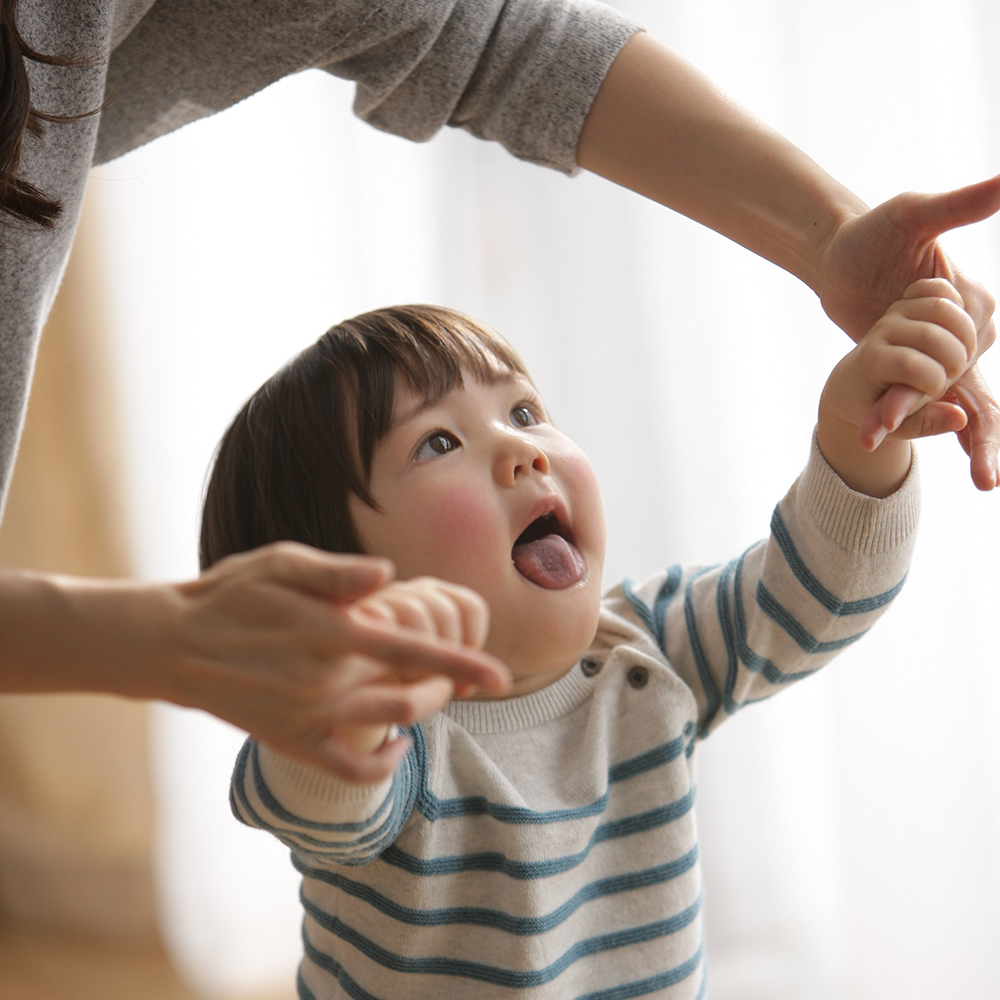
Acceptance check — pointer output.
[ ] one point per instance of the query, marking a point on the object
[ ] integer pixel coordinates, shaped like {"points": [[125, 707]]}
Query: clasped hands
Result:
{"points": [[868, 262]]}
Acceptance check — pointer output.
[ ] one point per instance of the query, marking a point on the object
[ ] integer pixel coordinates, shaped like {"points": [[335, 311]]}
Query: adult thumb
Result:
{"points": [[926, 216], [347, 577], [330, 575]]}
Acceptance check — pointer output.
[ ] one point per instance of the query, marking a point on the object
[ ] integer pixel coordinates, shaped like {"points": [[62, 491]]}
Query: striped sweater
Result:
{"points": [[545, 846]]}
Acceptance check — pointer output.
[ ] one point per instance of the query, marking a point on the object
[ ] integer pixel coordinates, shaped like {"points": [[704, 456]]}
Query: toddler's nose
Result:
{"points": [[518, 456]]}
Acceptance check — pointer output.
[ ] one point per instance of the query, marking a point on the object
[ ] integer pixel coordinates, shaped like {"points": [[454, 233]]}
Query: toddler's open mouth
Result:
{"points": [[545, 554]]}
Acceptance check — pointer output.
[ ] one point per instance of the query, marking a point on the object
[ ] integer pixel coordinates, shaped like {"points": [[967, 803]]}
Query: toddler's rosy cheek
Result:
{"points": [[466, 526]]}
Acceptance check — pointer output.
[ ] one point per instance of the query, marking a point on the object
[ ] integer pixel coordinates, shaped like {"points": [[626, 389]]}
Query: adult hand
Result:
{"points": [[924, 341], [869, 261], [273, 643], [372, 696], [266, 640]]}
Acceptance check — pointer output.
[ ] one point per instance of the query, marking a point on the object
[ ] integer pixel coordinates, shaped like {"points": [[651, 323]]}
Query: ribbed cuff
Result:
{"points": [[309, 792], [856, 521]]}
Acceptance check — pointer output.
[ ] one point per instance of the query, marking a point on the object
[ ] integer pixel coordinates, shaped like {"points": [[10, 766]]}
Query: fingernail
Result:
{"points": [[879, 436]]}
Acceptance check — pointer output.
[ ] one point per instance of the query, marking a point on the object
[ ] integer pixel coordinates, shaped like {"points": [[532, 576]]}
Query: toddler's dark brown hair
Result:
{"points": [[303, 443]]}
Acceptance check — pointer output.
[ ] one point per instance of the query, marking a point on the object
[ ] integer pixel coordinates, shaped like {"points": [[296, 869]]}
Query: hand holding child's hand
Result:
{"points": [[925, 341], [377, 698], [293, 644], [872, 257]]}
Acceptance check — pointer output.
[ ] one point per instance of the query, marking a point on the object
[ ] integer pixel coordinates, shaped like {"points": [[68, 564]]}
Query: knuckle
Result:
{"points": [[938, 381], [279, 555], [938, 288]]}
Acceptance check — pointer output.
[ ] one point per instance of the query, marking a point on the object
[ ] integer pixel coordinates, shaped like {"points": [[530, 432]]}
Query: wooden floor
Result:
{"points": [[34, 966]]}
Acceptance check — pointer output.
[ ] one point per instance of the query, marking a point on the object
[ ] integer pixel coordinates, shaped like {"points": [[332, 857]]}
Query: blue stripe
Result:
{"points": [[483, 917], [712, 700], [496, 975], [247, 814], [832, 603], [726, 627], [779, 614], [643, 987], [329, 964], [664, 596], [751, 660], [655, 619], [704, 979], [647, 761], [638, 605], [435, 808], [304, 992], [493, 861], [402, 805], [278, 810]]}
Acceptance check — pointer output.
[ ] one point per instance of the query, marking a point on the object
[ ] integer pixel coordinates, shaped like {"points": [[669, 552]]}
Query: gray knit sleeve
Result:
{"points": [[521, 72]]}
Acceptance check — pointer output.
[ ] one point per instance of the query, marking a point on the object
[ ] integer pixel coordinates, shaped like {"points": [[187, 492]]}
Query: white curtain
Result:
{"points": [[850, 826]]}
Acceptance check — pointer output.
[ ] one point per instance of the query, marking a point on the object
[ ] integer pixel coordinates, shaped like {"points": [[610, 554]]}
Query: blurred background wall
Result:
{"points": [[78, 912], [849, 835]]}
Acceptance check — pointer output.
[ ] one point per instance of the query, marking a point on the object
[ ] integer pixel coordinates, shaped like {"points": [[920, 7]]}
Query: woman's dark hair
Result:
{"points": [[303, 443], [20, 201]]}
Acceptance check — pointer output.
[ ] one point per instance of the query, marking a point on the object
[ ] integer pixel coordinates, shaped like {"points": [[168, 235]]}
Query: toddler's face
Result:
{"points": [[480, 489]]}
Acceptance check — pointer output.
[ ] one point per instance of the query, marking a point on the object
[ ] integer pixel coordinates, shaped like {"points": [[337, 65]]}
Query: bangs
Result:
{"points": [[429, 347], [303, 444]]}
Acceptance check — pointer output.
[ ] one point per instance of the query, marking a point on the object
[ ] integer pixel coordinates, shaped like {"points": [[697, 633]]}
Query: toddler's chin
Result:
{"points": [[553, 654]]}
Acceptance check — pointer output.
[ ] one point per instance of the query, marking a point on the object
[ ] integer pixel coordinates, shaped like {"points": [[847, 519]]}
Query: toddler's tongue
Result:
{"points": [[550, 562]]}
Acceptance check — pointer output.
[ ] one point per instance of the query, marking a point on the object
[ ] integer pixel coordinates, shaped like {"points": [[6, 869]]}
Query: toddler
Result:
{"points": [[542, 843]]}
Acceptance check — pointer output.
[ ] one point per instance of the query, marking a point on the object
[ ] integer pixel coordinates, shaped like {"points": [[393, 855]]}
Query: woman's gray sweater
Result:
{"points": [[522, 72]]}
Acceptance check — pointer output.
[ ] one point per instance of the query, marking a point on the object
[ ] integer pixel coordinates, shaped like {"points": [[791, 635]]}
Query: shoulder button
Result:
{"points": [[638, 677], [590, 667]]}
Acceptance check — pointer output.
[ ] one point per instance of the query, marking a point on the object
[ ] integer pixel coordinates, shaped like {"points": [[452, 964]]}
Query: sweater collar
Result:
{"points": [[507, 715]]}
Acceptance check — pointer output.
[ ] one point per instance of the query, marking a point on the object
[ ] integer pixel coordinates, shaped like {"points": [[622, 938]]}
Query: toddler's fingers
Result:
{"points": [[442, 607], [399, 704], [939, 288], [408, 656], [412, 612], [937, 326], [473, 611], [376, 608]]}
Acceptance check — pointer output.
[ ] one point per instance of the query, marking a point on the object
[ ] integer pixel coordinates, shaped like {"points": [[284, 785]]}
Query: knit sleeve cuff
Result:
{"points": [[856, 521], [315, 795]]}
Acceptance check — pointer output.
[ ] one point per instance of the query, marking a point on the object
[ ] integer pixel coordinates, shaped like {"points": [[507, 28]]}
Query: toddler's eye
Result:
{"points": [[438, 443], [522, 416]]}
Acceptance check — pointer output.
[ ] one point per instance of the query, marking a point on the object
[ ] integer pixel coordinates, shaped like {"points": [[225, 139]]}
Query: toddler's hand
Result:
{"points": [[432, 607], [426, 607], [925, 341]]}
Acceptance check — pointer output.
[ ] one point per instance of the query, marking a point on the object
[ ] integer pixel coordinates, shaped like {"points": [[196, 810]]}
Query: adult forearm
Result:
{"points": [[65, 634], [663, 129]]}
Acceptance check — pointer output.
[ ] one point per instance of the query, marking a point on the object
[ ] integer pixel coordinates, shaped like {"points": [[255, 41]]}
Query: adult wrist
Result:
{"points": [[63, 633]]}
